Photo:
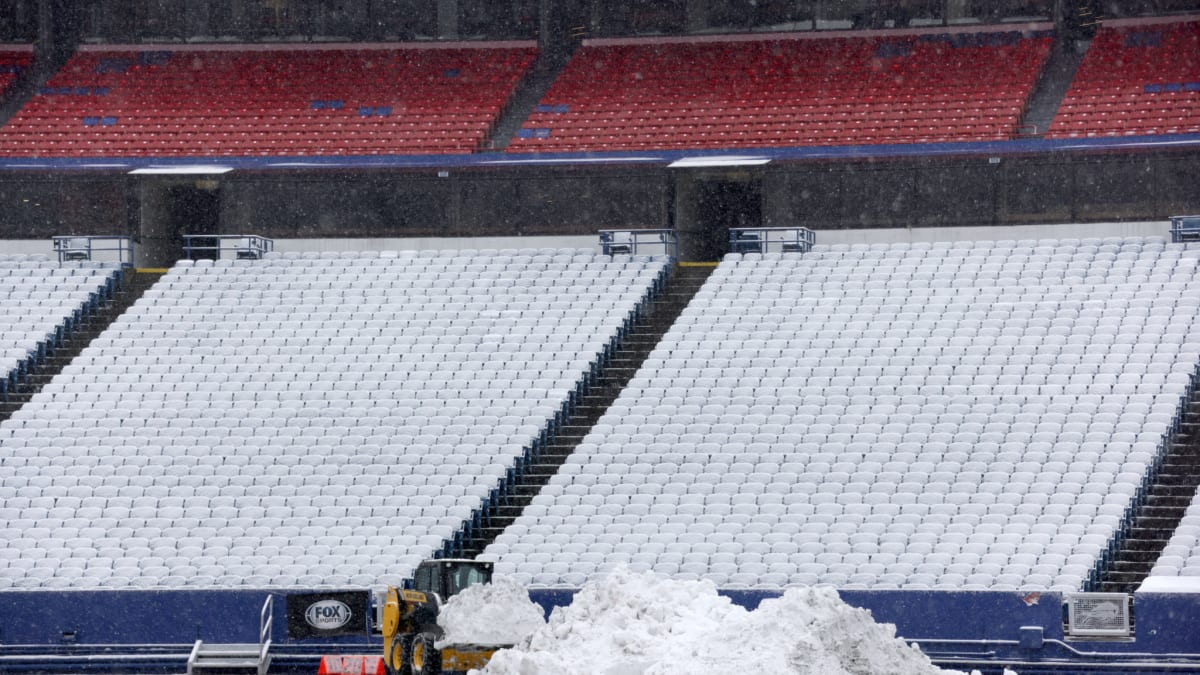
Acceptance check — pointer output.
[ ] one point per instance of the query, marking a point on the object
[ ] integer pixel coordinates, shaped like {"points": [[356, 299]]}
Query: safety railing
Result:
{"points": [[266, 621], [100, 248], [1185, 228], [218, 246], [638, 242], [771, 239]]}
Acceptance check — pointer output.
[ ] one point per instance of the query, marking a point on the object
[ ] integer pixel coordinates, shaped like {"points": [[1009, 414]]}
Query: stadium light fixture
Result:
{"points": [[620, 159], [187, 170], [708, 162]]}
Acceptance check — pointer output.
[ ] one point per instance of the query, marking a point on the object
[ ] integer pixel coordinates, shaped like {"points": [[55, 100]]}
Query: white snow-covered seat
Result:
{"points": [[973, 409], [1181, 557], [378, 419], [37, 296]]}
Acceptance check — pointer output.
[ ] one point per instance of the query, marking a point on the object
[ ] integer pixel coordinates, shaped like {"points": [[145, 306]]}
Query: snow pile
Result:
{"points": [[640, 624], [499, 613]]}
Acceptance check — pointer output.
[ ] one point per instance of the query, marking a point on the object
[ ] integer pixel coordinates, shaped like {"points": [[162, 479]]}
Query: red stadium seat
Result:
{"points": [[787, 91], [12, 63], [1135, 80], [280, 101]]}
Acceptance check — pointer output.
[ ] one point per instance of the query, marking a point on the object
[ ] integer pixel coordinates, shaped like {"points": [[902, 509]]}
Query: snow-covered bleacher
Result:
{"points": [[300, 421], [973, 415], [38, 299]]}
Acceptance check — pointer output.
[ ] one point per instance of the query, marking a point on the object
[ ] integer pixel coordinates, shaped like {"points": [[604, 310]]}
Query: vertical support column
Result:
{"points": [[43, 49], [955, 9], [447, 19], [697, 15], [595, 17], [1060, 12], [58, 29], [195, 18], [545, 29], [133, 217], [562, 23]]}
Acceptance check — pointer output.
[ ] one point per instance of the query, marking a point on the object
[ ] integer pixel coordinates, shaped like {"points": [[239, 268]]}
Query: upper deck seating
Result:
{"points": [[247, 101], [299, 422], [1135, 80], [976, 415], [787, 92]]}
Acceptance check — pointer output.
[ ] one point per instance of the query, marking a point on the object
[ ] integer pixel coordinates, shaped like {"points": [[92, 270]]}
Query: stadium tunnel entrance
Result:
{"points": [[708, 204], [169, 208]]}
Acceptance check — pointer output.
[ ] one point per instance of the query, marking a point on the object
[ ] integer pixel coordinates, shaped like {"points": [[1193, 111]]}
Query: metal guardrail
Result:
{"points": [[266, 621], [216, 246], [99, 248], [1185, 228], [771, 239], [635, 242]]}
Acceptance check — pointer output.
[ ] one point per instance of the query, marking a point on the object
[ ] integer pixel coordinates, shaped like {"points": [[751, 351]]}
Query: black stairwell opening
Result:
{"points": [[525, 98], [1161, 506], [1051, 88], [624, 363], [132, 285]]}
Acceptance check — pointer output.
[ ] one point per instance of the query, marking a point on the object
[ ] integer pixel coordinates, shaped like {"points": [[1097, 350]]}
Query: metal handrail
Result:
{"points": [[243, 246], [1185, 228], [83, 247], [764, 239], [266, 620], [621, 242]]}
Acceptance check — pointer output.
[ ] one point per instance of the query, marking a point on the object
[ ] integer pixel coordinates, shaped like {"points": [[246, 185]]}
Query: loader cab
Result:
{"points": [[447, 577]]}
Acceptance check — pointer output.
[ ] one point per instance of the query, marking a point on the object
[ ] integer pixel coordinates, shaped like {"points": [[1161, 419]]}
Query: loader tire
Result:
{"points": [[401, 648], [424, 657]]}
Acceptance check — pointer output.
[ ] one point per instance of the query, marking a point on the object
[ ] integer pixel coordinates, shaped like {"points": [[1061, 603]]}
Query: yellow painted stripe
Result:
{"points": [[151, 270], [698, 264]]}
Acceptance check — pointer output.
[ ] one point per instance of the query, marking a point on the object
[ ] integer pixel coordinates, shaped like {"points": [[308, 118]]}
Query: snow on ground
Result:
{"points": [[499, 613], [640, 624]]}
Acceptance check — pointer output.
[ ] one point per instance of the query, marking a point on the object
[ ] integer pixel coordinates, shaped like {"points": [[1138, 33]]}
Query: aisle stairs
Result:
{"points": [[1051, 88], [1160, 508], [526, 97], [619, 368], [77, 335]]}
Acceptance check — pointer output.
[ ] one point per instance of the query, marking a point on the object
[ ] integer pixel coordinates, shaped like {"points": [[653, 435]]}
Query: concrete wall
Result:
{"points": [[848, 193]]}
